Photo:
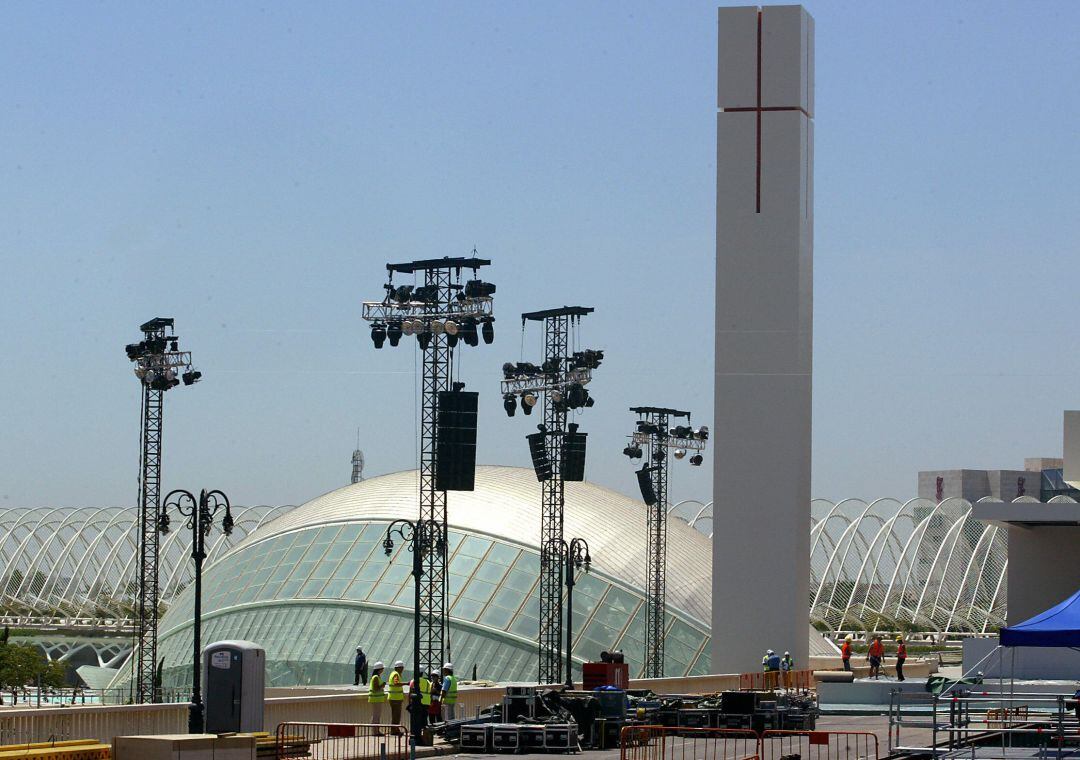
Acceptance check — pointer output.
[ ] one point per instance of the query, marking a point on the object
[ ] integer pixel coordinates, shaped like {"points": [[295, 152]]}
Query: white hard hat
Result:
{"points": [[359, 649], [770, 652], [849, 637], [787, 654], [378, 666], [435, 672], [448, 666], [399, 664]]}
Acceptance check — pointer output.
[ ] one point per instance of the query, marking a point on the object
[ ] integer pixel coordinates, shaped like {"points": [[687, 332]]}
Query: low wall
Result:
{"points": [[350, 706], [100, 722]]}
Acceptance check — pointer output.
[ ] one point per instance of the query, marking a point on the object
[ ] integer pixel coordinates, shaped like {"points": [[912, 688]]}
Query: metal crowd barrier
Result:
{"points": [[671, 743], [818, 745], [340, 741]]}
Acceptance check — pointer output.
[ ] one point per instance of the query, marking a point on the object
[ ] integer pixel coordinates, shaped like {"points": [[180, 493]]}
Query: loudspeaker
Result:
{"points": [[644, 481], [572, 463], [539, 454], [455, 441]]}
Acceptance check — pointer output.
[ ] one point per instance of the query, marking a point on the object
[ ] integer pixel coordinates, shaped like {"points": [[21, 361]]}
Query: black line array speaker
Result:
{"points": [[572, 464], [455, 442], [644, 481], [538, 452]]}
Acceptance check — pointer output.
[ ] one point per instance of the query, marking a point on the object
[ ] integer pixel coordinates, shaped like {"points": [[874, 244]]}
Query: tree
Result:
{"points": [[20, 665]]}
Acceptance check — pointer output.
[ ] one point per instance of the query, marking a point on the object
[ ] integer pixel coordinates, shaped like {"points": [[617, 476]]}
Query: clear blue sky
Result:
{"points": [[249, 168]]}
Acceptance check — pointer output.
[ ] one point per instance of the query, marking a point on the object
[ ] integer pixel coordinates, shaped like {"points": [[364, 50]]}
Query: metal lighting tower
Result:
{"points": [[441, 313], [157, 361], [560, 382], [653, 433]]}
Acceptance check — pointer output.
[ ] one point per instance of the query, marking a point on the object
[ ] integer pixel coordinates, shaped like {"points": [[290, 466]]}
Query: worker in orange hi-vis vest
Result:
{"points": [[901, 655], [875, 654]]}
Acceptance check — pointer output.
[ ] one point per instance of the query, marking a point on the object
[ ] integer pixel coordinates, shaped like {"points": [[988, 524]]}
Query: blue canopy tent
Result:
{"points": [[1058, 626]]}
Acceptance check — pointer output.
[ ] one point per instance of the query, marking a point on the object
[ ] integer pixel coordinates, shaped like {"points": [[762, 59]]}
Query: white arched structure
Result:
{"points": [[76, 567], [887, 565]]}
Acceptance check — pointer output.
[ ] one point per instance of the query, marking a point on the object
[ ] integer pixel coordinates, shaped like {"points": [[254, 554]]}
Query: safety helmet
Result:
{"points": [[849, 637], [399, 664], [435, 672], [787, 654], [378, 666], [899, 638], [770, 652], [359, 649], [448, 666]]}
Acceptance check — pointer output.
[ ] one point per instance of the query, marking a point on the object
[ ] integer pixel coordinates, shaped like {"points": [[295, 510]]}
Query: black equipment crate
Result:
{"points": [[505, 737], [697, 718], [612, 703], [727, 720], [739, 702], [475, 738], [560, 737], [612, 733], [530, 738]]}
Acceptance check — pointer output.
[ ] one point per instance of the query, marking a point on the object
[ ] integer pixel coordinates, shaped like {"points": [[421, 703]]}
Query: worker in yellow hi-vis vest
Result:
{"points": [[449, 692], [376, 693], [396, 693]]}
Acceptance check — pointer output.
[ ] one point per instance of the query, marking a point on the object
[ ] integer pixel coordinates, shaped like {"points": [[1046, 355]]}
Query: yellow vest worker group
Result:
{"points": [[376, 690], [397, 692]]}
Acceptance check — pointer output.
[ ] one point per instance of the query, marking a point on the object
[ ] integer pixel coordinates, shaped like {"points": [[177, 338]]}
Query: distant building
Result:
{"points": [[972, 485]]}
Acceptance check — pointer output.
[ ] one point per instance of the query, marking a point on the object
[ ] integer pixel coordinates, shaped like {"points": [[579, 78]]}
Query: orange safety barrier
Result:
{"points": [[671, 743], [818, 745], [340, 741]]}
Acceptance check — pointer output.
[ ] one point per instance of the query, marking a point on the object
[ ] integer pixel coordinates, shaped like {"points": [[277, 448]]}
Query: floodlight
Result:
{"points": [[437, 327], [696, 460], [680, 453], [529, 399], [191, 377], [510, 404], [526, 409], [702, 433], [488, 331], [378, 334], [424, 339], [451, 327], [393, 332]]}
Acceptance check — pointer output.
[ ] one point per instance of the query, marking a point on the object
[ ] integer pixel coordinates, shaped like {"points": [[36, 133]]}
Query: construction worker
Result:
{"points": [[901, 655], [376, 694], [449, 692], [360, 667], [875, 653], [395, 689], [786, 664], [425, 694], [845, 652], [435, 708]]}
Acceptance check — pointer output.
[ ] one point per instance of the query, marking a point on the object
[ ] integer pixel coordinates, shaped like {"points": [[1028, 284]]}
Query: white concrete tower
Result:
{"points": [[764, 321]]}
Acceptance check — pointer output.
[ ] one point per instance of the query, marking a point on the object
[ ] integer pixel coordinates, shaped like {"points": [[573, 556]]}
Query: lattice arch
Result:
{"points": [[76, 567]]}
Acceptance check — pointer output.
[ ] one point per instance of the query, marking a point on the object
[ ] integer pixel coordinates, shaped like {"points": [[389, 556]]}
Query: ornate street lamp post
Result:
{"points": [[577, 556], [422, 537], [200, 516]]}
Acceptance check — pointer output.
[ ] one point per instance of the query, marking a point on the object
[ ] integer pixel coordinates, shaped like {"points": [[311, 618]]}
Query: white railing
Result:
{"points": [[100, 722]]}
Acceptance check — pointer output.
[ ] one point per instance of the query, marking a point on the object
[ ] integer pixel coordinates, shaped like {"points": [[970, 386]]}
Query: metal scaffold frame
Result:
{"points": [[549, 384], [157, 362], [444, 306], [658, 439]]}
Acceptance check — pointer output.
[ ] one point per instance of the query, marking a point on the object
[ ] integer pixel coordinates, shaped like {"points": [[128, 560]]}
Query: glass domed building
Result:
{"points": [[315, 582]]}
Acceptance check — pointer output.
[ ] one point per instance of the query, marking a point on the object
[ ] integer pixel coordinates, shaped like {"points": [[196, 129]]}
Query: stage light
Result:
{"points": [[403, 293], [468, 332], [529, 399], [696, 460], [424, 339], [140, 372], [437, 327], [590, 402], [174, 345], [378, 334], [633, 451], [479, 289], [680, 453], [488, 331], [526, 409], [510, 404], [426, 293], [451, 339], [407, 327], [509, 370], [134, 350], [451, 327], [191, 377], [556, 396], [702, 433], [575, 395], [393, 332]]}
